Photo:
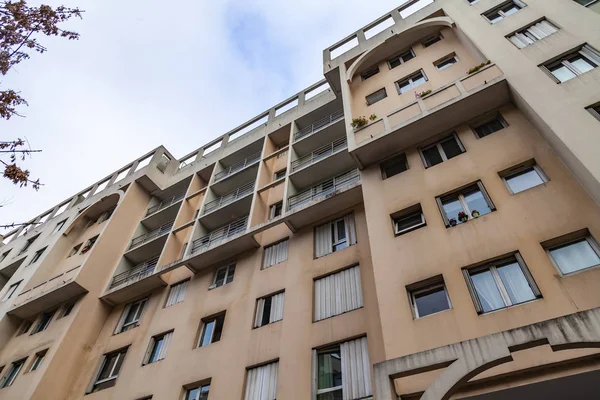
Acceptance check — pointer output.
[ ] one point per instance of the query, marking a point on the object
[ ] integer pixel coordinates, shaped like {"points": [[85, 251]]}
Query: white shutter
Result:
{"points": [[177, 293], [356, 369], [323, 240], [261, 383], [276, 307], [591, 53], [533, 33], [350, 229], [338, 293], [122, 319], [275, 254], [165, 345], [260, 306]]}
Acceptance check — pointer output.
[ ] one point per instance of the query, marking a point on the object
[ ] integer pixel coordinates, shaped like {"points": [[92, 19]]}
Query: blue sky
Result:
{"points": [[145, 74]]}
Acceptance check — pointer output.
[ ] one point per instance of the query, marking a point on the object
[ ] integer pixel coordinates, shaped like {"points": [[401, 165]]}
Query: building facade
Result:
{"points": [[423, 223]]}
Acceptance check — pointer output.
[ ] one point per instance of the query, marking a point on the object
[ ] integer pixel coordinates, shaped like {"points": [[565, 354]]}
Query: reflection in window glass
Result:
{"points": [[575, 256]]}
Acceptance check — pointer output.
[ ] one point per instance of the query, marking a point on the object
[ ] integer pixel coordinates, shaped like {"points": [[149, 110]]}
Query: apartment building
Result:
{"points": [[423, 223]]}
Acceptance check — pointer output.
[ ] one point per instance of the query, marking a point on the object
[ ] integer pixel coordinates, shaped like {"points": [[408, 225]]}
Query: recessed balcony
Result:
{"points": [[450, 105], [223, 207], [319, 133], [133, 282], [163, 212], [48, 294], [149, 244]]}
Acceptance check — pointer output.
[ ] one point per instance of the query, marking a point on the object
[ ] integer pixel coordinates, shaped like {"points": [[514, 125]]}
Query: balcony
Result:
{"points": [[149, 244], [164, 204], [321, 163], [237, 167], [319, 125], [133, 282], [223, 207], [450, 105], [48, 294], [323, 189], [166, 210]]}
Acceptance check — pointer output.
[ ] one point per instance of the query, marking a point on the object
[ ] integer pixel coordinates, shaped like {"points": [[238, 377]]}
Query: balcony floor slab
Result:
{"points": [[126, 292], [48, 300]]}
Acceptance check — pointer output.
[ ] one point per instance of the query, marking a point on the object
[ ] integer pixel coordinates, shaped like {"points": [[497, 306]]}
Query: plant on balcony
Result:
{"points": [[373, 117], [475, 214], [463, 217], [478, 67], [359, 122], [452, 221], [423, 93]]}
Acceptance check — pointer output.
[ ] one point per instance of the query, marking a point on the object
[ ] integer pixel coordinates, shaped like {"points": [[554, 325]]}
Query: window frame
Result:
{"points": [[400, 58], [392, 161], [520, 169], [565, 61], [153, 350], [256, 308], [450, 57], [7, 379], [405, 214], [335, 235], [279, 174], [589, 3], [39, 325], [576, 239], [369, 73], [594, 110], [274, 208], [428, 285], [483, 122], [216, 318], [410, 80], [59, 226], [499, 9], [37, 255], [525, 31], [327, 350], [112, 377], [11, 290], [75, 250], [38, 360], [186, 394], [139, 313], [225, 278], [431, 40], [28, 244], [370, 103], [458, 193], [442, 153]]}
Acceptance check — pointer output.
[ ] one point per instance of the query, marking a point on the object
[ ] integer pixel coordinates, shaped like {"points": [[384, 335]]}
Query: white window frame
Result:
{"points": [[137, 316], [461, 198], [369, 102], [273, 210], [59, 226], [37, 255], [400, 58], [407, 216], [335, 233], [11, 290], [227, 269], [177, 286], [500, 10], [39, 326], [533, 166], [111, 376], [323, 351], [487, 121], [588, 238], [199, 388], [18, 366], [410, 80], [438, 145], [28, 244], [206, 320], [564, 61], [589, 3], [428, 288], [450, 57], [532, 33], [153, 351]]}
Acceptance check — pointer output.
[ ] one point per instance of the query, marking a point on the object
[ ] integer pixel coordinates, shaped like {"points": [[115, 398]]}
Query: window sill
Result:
{"points": [[563, 275], [469, 220], [405, 231], [269, 324], [337, 315], [510, 307]]}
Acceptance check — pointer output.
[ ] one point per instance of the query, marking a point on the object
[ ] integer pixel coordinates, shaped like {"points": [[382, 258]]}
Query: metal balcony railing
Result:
{"points": [[322, 123], [319, 154], [165, 203], [153, 234], [323, 189], [220, 234], [136, 273], [246, 162], [229, 197]]}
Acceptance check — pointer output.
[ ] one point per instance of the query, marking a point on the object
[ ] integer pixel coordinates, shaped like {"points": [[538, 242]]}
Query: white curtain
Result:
{"points": [[350, 229], [323, 240], [533, 33], [162, 353], [260, 307], [275, 254], [261, 383], [515, 283], [276, 307], [487, 291], [177, 293], [338, 293], [356, 369], [121, 322]]}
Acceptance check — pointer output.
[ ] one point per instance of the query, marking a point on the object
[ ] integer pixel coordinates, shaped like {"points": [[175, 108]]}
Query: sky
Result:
{"points": [[148, 73]]}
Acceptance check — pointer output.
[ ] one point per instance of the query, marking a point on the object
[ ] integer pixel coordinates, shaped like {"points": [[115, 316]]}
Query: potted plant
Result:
{"points": [[478, 67], [424, 93], [463, 217], [452, 221], [475, 214], [359, 122], [373, 117]]}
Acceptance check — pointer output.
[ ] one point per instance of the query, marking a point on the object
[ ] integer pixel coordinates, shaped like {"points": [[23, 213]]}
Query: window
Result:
{"points": [[4, 255], [106, 215], [184, 248], [376, 96], [432, 39], [37, 361], [275, 210], [523, 177], [280, 174], [28, 243], [89, 244], [25, 326], [442, 150], [342, 371], [109, 370], [578, 62], [465, 204], [446, 62], [394, 166], [408, 220], [532, 33], [472, 1], [275, 254], [335, 235], [37, 255], [261, 382], [74, 250], [59, 226], [489, 126], [401, 59], [501, 283], [586, 3], [223, 276], [198, 393], [269, 309], [67, 308], [157, 348], [177, 293], [131, 316], [429, 297], [503, 10], [338, 293], [212, 328], [11, 373], [576, 252], [594, 110], [412, 81], [11, 290], [369, 73], [43, 322]]}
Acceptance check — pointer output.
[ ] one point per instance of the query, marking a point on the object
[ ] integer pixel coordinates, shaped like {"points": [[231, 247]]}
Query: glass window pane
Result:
{"points": [[158, 342], [404, 86], [220, 279], [562, 73], [432, 156], [494, 17], [487, 291], [218, 328], [511, 9], [514, 282], [431, 301], [230, 273], [108, 366], [204, 390], [394, 62], [476, 201], [417, 80], [192, 394], [524, 180], [333, 395], [409, 222], [575, 257], [581, 64], [207, 334], [341, 230], [329, 370], [451, 148], [452, 207], [407, 56], [488, 128]]}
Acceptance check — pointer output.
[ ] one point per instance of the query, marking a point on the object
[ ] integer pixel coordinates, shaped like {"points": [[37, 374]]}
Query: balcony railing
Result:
{"points": [[323, 189], [246, 162], [45, 287], [165, 203], [322, 123], [136, 273], [319, 154], [153, 234], [229, 197], [220, 234]]}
